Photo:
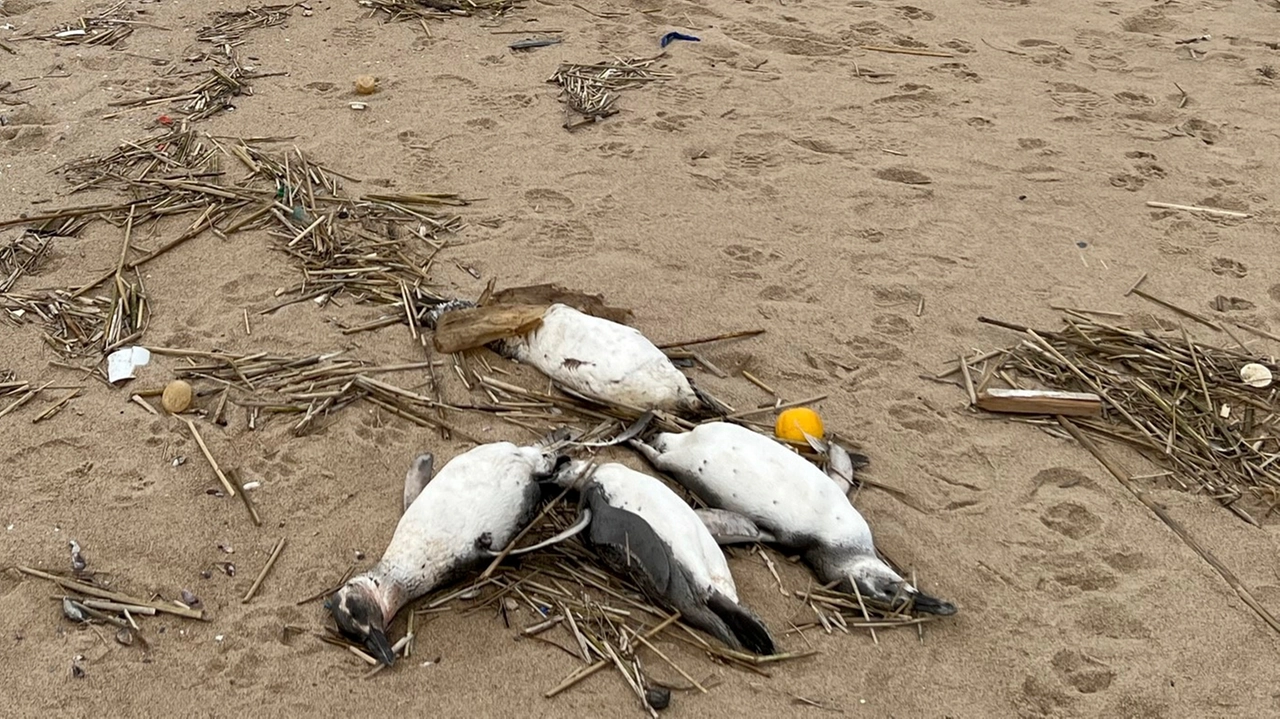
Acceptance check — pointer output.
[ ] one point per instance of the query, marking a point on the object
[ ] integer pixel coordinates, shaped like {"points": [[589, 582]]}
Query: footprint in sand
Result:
{"points": [[1082, 672], [544, 200], [1071, 519], [1227, 267]]}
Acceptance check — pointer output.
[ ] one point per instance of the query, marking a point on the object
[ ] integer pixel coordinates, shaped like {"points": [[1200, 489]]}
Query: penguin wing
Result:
{"points": [[629, 543], [746, 626], [732, 528], [417, 477]]}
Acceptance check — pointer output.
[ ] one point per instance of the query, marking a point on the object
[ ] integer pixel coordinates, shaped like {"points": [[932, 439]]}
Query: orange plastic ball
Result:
{"points": [[794, 423]]}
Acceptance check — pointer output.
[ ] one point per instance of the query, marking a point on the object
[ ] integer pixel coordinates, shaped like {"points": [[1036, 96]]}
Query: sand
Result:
{"points": [[783, 178]]}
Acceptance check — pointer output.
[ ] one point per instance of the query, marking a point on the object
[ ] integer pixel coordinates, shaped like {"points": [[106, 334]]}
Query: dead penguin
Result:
{"points": [[762, 491], [642, 529], [600, 359], [477, 503]]}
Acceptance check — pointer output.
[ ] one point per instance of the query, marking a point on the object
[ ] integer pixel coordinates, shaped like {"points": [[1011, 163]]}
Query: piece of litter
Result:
{"points": [[122, 363], [358, 106], [1255, 375], [672, 36], [251, 485], [532, 43], [217, 638]]}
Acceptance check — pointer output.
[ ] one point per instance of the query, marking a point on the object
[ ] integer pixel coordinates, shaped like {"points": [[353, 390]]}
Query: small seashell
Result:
{"points": [[511, 604], [124, 636], [228, 568], [177, 397], [226, 549], [78, 563], [366, 85], [1255, 375], [190, 599], [72, 611]]}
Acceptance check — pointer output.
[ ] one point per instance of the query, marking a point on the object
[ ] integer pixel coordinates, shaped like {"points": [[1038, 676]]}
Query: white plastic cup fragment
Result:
{"points": [[122, 363]]}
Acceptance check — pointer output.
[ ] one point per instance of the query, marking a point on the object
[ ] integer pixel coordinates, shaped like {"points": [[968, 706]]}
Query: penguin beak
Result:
{"points": [[932, 605], [379, 647]]}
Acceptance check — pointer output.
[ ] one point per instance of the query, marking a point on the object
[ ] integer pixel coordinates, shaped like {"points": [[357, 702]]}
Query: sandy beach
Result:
{"points": [[862, 180]]}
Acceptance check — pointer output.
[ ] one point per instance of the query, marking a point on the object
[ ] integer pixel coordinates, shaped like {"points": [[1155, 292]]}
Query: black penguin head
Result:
{"points": [[358, 614], [875, 580], [432, 316]]}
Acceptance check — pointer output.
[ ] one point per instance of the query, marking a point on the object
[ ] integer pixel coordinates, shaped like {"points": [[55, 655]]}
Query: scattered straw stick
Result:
{"points": [[906, 51], [93, 591], [775, 408], [1121, 474], [714, 338], [1194, 208], [757, 382], [244, 497], [329, 590], [22, 400], [119, 607], [57, 407], [863, 606], [226, 483], [265, 569], [143, 403], [681, 672], [587, 671], [1180, 310]]}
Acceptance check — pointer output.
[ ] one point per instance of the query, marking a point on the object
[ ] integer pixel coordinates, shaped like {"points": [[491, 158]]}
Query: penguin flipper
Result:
{"points": [[732, 528], [417, 477], [628, 544], [749, 630]]}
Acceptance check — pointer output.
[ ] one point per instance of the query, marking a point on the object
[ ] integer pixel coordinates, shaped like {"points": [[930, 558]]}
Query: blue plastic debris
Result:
{"points": [[669, 37]]}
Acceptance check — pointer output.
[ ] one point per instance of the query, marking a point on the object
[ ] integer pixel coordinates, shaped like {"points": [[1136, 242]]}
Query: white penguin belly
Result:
{"points": [[483, 490], [603, 359], [746, 472], [692, 546]]}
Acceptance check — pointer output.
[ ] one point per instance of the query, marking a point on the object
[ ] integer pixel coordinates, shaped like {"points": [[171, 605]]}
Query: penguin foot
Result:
{"points": [[732, 528], [417, 477]]}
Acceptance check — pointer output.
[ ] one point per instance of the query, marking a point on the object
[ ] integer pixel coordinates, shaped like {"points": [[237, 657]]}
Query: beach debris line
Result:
{"points": [[378, 248], [109, 27], [422, 10], [591, 90], [1190, 407], [226, 28]]}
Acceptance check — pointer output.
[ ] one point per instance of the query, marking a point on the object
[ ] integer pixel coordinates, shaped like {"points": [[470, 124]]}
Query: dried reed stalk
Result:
{"points": [[1180, 403]]}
